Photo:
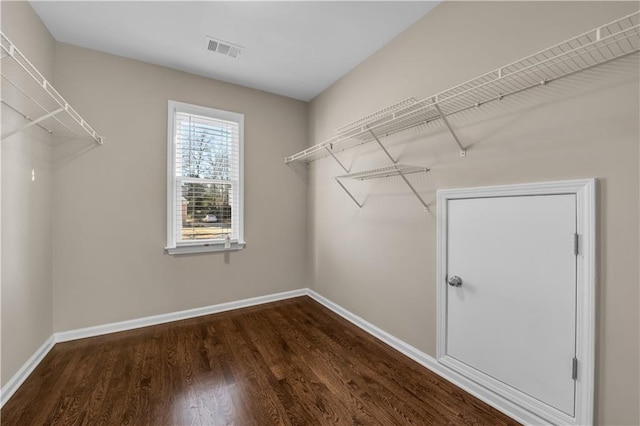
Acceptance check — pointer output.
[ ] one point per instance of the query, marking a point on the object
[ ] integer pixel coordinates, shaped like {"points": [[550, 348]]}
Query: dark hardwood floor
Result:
{"points": [[290, 362]]}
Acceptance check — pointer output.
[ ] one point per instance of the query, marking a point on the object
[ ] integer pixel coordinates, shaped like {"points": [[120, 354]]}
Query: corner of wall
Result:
{"points": [[27, 318]]}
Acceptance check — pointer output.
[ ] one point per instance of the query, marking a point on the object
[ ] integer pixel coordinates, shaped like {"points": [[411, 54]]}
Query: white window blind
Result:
{"points": [[205, 185]]}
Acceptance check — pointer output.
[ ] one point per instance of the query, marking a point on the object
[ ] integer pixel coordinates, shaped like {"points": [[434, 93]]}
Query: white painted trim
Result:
{"points": [[515, 396], [115, 327], [586, 298], [16, 381], [171, 167], [27, 368], [208, 248], [512, 410], [173, 246], [498, 402], [584, 189]]}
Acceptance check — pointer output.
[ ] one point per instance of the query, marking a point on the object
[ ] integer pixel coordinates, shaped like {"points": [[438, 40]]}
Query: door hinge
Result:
{"points": [[576, 243], [574, 368]]}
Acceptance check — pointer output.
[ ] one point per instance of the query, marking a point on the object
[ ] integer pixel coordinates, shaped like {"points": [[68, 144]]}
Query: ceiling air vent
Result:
{"points": [[223, 47]]}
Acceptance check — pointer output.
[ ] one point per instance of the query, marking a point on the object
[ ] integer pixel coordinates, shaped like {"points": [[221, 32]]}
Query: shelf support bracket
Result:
{"points": [[382, 146], [336, 158], [25, 116], [463, 151], [425, 205], [31, 123], [348, 193]]}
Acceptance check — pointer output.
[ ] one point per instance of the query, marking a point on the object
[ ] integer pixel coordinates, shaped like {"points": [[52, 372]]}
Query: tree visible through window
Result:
{"points": [[206, 147]]}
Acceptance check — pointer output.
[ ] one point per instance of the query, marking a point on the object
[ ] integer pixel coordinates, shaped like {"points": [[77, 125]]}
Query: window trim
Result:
{"points": [[195, 246]]}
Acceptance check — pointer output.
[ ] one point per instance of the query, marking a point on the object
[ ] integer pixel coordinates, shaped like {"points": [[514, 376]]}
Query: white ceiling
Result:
{"points": [[295, 49]]}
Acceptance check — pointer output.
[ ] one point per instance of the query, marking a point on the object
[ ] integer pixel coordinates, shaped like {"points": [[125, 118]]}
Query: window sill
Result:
{"points": [[201, 248]]}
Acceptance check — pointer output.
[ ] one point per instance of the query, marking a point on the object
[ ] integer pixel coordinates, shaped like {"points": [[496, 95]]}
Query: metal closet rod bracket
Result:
{"points": [[463, 150], [31, 123], [383, 147], [349, 193], [329, 148]]}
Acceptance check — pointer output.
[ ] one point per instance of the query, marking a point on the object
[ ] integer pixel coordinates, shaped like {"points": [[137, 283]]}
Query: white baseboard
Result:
{"points": [[16, 381], [27, 368], [115, 327], [427, 361], [499, 403]]}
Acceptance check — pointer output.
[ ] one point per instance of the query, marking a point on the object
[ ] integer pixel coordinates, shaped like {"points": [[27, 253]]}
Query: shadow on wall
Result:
{"points": [[515, 108], [66, 150]]}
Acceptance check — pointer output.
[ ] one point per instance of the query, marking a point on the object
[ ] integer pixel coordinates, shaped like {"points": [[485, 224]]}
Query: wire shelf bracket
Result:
{"points": [[30, 124], [401, 170], [463, 151], [600, 45], [27, 92], [25, 116], [328, 148], [382, 147]]}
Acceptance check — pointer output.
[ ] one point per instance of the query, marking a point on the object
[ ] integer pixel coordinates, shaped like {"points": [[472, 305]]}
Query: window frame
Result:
{"points": [[173, 246]]}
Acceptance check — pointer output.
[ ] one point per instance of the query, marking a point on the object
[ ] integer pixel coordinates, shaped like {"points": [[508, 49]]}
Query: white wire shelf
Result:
{"points": [[380, 116], [597, 46], [384, 172], [28, 93]]}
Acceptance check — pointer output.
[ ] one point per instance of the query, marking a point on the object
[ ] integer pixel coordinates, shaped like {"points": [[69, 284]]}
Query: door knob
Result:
{"points": [[455, 281]]}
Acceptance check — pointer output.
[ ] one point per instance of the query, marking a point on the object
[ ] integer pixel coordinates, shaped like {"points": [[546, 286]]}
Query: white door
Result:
{"points": [[512, 319]]}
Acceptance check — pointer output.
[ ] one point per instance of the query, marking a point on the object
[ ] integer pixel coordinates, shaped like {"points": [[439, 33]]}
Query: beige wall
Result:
{"points": [[380, 261], [110, 206], [26, 290]]}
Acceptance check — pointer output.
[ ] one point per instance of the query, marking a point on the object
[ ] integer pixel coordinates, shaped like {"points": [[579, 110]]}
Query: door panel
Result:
{"points": [[513, 317]]}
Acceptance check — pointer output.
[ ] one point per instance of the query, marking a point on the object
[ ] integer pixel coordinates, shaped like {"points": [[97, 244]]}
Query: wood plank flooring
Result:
{"points": [[286, 363]]}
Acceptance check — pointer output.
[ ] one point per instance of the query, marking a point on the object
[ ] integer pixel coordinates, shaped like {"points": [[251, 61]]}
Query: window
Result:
{"points": [[204, 194]]}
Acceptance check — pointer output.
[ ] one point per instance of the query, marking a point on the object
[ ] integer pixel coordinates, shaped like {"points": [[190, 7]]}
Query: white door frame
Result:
{"points": [[585, 193]]}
